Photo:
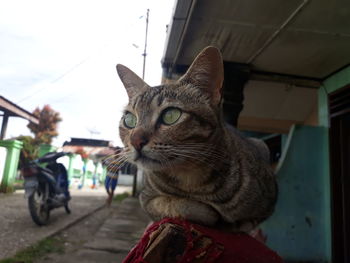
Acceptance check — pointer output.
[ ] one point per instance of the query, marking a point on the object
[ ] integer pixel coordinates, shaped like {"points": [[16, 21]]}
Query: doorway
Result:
{"points": [[339, 138]]}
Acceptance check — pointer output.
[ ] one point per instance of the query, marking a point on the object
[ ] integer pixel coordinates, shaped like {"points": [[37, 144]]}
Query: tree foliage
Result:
{"points": [[82, 152], [29, 150], [46, 130], [43, 132]]}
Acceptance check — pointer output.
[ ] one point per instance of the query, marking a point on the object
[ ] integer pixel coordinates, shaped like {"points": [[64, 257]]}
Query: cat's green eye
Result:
{"points": [[170, 116], [130, 120]]}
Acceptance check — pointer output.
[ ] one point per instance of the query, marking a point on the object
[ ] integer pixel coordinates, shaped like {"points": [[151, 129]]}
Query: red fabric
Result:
{"points": [[237, 248]]}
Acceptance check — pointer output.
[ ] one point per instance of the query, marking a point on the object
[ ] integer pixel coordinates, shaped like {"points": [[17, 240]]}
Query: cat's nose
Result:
{"points": [[138, 140]]}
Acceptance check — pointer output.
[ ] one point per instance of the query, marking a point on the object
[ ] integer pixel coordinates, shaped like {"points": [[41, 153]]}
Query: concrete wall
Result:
{"points": [[3, 154], [299, 230]]}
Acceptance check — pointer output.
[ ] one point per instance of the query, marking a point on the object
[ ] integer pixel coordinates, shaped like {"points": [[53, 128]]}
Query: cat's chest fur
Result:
{"points": [[182, 181]]}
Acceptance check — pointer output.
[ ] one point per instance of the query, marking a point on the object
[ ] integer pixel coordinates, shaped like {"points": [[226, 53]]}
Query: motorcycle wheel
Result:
{"points": [[38, 208]]}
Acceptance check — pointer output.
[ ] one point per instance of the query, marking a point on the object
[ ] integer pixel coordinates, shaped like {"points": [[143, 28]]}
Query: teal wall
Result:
{"points": [[299, 230]]}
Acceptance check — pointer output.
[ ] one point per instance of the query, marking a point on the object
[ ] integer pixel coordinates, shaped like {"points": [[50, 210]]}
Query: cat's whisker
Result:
{"points": [[202, 154], [120, 159], [203, 150], [111, 157], [192, 157], [114, 164], [115, 167], [207, 155], [201, 146], [185, 158], [206, 149]]}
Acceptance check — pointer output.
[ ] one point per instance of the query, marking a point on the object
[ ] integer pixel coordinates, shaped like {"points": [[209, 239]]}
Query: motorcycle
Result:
{"points": [[46, 187]]}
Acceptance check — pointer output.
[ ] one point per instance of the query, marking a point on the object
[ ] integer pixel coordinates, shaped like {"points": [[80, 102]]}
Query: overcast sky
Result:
{"points": [[64, 53]]}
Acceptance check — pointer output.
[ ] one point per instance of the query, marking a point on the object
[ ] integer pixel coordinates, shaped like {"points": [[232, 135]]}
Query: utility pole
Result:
{"points": [[134, 185], [145, 50]]}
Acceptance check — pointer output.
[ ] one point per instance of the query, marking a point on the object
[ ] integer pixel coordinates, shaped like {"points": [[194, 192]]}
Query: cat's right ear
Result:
{"points": [[207, 73], [132, 83]]}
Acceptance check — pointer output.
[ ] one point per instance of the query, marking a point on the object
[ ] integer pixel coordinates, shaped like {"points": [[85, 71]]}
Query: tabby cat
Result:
{"points": [[196, 166]]}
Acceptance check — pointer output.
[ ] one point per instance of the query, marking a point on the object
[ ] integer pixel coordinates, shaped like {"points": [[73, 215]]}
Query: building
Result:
{"points": [[287, 81], [88, 161], [85, 165], [95, 149]]}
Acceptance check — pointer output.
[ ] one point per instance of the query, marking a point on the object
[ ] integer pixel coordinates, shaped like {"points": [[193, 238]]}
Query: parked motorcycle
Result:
{"points": [[46, 187]]}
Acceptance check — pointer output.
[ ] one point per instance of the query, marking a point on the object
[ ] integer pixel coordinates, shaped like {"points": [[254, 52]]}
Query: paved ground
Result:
{"points": [[106, 236], [17, 230]]}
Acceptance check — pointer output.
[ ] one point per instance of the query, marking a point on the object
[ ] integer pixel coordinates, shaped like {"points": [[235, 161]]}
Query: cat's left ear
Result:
{"points": [[207, 73], [131, 81]]}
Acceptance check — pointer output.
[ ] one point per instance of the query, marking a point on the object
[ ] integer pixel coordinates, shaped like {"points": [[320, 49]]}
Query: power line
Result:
{"points": [[145, 50], [84, 61], [55, 80]]}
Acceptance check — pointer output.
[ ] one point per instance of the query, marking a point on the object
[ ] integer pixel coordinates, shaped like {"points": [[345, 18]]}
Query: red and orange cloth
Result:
{"points": [[225, 248]]}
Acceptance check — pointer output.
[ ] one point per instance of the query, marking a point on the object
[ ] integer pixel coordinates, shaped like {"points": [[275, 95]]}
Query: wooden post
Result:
{"points": [[236, 76], [134, 184], [5, 119]]}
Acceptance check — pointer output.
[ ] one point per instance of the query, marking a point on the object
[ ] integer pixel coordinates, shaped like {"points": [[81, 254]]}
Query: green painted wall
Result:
{"points": [[45, 148], [10, 169], [299, 230]]}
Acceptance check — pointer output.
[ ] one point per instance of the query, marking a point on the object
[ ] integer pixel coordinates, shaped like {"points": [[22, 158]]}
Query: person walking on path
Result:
{"points": [[111, 183], [111, 180]]}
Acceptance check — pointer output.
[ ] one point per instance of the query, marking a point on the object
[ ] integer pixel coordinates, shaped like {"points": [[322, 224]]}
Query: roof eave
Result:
{"points": [[14, 110]]}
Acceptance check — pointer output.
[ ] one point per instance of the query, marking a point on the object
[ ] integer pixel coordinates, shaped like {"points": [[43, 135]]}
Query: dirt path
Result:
{"points": [[17, 230], [105, 236], [76, 236]]}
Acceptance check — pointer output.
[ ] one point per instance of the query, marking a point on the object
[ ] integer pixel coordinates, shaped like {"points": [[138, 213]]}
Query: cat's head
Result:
{"points": [[175, 124]]}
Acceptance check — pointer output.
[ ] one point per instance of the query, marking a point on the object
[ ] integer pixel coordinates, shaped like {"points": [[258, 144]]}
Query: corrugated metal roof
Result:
{"points": [[303, 38]]}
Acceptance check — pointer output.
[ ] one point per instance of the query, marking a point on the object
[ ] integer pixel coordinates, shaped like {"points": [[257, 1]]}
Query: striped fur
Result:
{"points": [[198, 168]]}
